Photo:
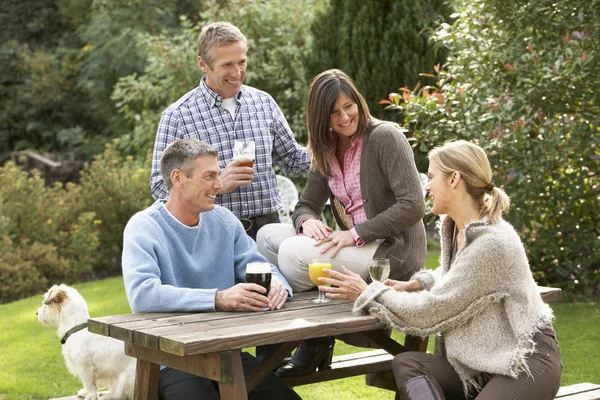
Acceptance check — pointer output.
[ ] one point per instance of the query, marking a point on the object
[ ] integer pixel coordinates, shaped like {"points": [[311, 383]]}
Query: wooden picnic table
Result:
{"points": [[209, 344]]}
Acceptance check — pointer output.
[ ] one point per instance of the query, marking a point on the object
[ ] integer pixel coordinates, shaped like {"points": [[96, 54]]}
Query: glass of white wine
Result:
{"points": [[379, 270]]}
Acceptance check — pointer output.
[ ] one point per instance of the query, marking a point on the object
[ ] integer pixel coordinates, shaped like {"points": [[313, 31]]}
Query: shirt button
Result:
{"points": [[364, 200]]}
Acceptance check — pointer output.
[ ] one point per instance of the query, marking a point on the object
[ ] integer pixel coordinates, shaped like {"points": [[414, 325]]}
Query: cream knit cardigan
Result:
{"points": [[486, 307]]}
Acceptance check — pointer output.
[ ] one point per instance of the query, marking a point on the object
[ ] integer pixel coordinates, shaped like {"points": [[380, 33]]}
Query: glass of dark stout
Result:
{"points": [[259, 273]]}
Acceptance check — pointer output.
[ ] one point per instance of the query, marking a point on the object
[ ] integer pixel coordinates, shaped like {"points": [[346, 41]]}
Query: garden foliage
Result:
{"points": [[380, 44], [41, 241], [59, 61], [278, 40], [522, 81], [66, 234]]}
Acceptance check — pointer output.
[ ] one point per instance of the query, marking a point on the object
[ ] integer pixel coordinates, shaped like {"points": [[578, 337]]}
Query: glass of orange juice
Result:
{"points": [[315, 270]]}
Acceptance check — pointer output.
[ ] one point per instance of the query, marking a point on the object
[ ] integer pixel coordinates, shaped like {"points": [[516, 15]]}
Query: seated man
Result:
{"points": [[186, 254]]}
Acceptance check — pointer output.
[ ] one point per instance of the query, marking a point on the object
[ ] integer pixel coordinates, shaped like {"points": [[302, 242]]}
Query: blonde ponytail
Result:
{"points": [[474, 167], [495, 203]]}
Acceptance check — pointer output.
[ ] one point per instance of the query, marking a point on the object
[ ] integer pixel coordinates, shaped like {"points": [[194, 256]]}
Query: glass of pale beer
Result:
{"points": [[379, 270], [259, 273], [315, 270], [244, 149]]}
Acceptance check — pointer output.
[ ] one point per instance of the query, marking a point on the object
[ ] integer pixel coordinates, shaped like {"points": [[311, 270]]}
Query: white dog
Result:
{"points": [[91, 357]]}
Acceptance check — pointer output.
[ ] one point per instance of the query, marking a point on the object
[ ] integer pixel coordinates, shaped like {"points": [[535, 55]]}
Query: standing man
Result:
{"points": [[185, 254], [219, 111]]}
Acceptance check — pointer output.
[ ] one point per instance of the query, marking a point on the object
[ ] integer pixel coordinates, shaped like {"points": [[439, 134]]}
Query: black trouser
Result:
{"points": [[545, 366], [252, 225], [177, 385]]}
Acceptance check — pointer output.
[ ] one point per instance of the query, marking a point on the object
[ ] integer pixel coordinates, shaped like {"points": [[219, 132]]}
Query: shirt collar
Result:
{"points": [[213, 98], [334, 137]]}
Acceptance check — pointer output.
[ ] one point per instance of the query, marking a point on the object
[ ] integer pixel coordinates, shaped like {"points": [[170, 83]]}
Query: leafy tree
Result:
{"points": [[42, 23], [59, 65], [278, 37], [41, 106], [365, 37], [521, 80], [111, 49]]}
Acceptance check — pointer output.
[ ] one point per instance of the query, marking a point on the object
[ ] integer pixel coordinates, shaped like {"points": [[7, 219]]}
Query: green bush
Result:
{"points": [[66, 234], [522, 81], [22, 268], [113, 188], [41, 240]]}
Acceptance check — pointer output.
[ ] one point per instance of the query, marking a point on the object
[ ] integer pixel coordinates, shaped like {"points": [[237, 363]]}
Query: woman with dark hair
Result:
{"points": [[494, 333], [366, 169]]}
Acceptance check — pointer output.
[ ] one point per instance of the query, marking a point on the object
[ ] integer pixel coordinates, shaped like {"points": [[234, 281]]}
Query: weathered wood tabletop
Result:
{"points": [[208, 344]]}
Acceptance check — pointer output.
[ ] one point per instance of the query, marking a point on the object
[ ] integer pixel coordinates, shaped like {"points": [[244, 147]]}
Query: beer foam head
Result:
{"points": [[258, 268]]}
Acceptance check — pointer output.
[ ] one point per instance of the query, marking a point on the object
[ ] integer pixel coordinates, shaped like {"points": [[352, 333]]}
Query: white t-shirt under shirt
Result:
{"points": [[230, 105]]}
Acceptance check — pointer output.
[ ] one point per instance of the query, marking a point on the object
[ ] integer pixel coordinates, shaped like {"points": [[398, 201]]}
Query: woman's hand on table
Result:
{"points": [[345, 285], [277, 295], [336, 240], [316, 229]]}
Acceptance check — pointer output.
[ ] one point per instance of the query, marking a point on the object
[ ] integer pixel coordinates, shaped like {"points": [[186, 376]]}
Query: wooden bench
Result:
{"points": [[346, 366], [580, 391]]}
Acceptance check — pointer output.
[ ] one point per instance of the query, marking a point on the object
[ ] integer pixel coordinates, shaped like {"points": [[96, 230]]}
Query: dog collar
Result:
{"points": [[72, 331]]}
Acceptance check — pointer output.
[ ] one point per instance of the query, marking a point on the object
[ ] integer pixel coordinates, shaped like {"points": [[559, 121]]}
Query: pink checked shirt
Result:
{"points": [[345, 185]]}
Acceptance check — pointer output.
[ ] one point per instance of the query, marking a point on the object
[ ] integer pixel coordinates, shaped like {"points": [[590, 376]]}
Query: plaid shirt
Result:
{"points": [[345, 185], [199, 114]]}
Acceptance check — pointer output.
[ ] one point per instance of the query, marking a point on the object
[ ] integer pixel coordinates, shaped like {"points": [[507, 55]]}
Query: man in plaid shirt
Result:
{"points": [[219, 111]]}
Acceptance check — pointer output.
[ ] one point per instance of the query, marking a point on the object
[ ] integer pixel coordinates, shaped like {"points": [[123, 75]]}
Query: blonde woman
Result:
{"points": [[495, 337]]}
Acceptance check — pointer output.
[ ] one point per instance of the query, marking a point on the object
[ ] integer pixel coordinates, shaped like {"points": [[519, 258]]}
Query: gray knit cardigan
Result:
{"points": [[486, 307], [392, 197]]}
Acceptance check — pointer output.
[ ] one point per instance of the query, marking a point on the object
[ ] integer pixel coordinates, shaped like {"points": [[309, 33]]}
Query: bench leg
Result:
{"points": [[233, 384], [415, 343], [146, 380]]}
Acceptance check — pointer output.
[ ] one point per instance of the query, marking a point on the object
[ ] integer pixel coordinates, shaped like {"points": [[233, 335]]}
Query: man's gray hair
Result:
{"points": [[215, 35], [182, 155]]}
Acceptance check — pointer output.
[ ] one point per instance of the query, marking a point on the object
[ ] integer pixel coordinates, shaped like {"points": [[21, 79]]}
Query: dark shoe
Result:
{"points": [[421, 388], [282, 363], [310, 355]]}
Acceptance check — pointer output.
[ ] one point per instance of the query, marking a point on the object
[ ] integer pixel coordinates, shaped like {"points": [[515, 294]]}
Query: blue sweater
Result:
{"points": [[168, 266]]}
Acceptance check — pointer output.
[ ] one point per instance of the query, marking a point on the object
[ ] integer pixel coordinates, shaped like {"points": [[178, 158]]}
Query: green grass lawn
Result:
{"points": [[32, 366]]}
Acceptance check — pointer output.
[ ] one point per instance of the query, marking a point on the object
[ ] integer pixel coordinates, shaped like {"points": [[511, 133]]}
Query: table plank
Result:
{"points": [[550, 294], [151, 335], [256, 335], [121, 326], [100, 325]]}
